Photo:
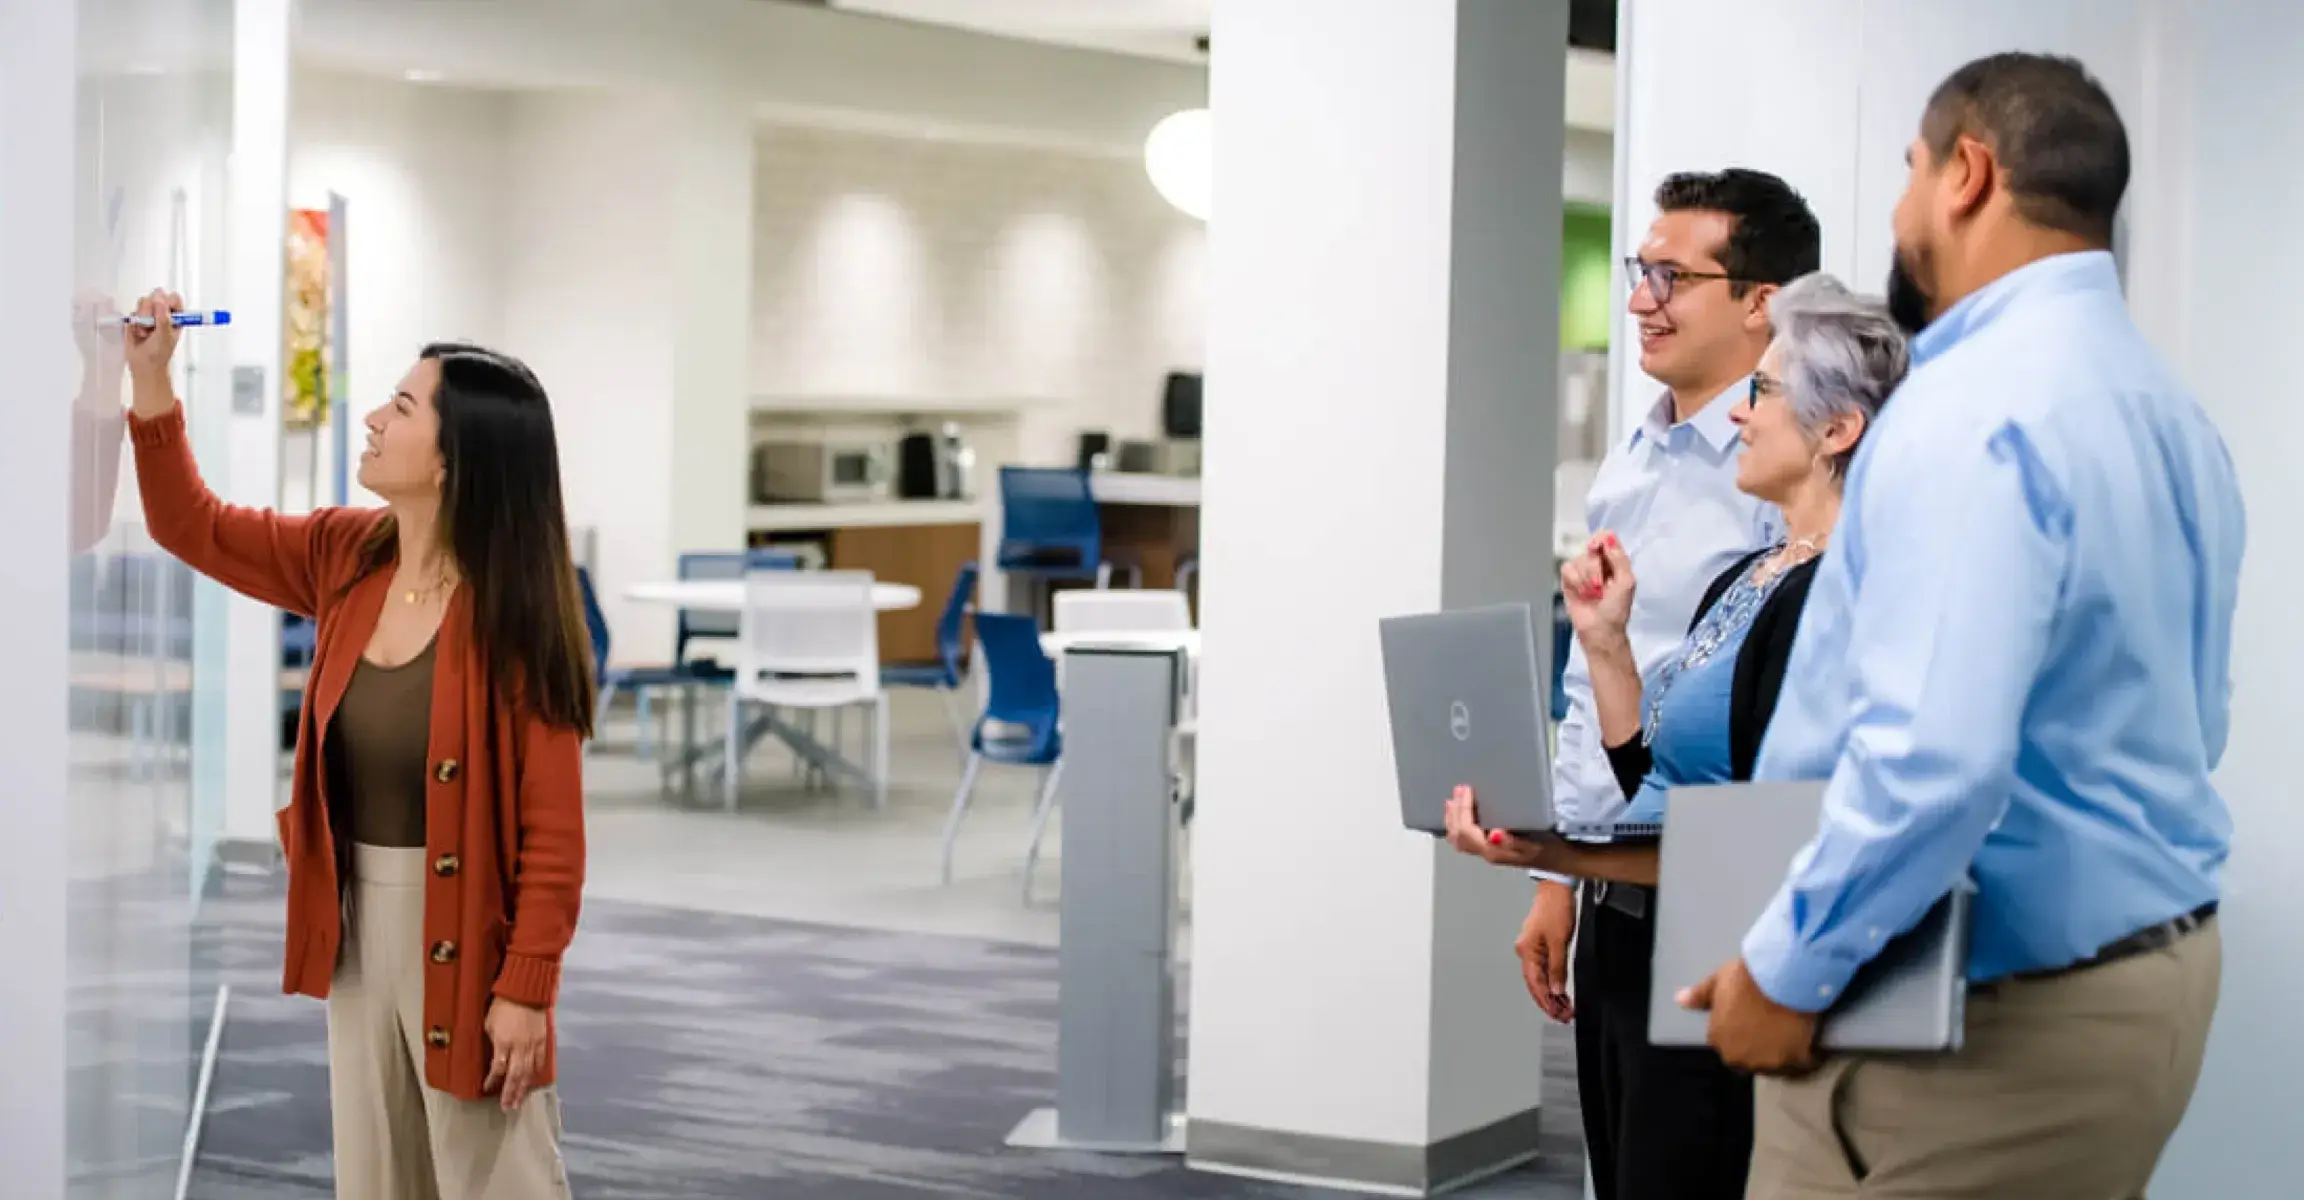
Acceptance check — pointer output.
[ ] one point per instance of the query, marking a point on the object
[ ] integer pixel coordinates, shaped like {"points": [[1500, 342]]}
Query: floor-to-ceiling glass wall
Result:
{"points": [[152, 113]]}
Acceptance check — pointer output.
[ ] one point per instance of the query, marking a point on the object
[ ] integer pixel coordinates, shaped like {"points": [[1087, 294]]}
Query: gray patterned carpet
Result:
{"points": [[707, 1055]]}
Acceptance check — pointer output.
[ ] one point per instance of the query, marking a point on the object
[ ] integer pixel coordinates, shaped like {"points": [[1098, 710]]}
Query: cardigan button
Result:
{"points": [[436, 1037], [445, 866], [446, 771], [443, 952]]}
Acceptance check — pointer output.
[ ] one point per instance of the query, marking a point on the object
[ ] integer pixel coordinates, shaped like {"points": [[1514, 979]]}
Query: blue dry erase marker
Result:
{"points": [[184, 320]]}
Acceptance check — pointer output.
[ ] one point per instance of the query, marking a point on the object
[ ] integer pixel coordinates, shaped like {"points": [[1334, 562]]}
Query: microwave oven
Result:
{"points": [[827, 472]]}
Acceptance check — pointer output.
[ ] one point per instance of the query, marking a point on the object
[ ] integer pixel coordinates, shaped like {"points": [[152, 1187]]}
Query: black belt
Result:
{"points": [[1631, 899], [2143, 941]]}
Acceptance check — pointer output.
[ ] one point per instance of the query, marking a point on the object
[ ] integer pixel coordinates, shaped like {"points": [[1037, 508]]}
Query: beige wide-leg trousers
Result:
{"points": [[397, 1139]]}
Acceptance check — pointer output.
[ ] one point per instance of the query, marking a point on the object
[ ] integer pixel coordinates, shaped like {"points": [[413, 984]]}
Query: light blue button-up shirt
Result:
{"points": [[2015, 659], [1669, 495]]}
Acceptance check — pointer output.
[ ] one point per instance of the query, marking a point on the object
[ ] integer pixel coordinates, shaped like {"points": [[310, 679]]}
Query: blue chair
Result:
{"points": [[1050, 528], [949, 672], [1023, 698]]}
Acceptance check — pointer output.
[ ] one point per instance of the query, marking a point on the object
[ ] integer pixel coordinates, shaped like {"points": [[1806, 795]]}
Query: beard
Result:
{"points": [[1908, 302]]}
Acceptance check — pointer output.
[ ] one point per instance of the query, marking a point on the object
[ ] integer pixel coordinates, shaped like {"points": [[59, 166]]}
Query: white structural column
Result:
{"points": [[1382, 364], [250, 472], [641, 339], [2212, 107], [36, 208]]}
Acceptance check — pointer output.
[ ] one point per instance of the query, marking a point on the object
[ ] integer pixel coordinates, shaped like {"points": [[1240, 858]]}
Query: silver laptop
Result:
{"points": [[1468, 707], [1726, 855]]}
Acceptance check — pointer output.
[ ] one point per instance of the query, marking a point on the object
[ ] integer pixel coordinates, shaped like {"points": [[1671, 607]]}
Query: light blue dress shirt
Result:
{"points": [[1669, 494], [2015, 662]]}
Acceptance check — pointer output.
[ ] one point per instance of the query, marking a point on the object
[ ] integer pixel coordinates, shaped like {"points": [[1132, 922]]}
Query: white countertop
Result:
{"points": [[774, 517], [1110, 487], [1127, 487]]}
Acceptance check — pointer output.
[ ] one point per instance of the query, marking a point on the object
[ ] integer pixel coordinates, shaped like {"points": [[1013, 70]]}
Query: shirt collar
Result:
{"points": [[2057, 274], [1711, 422]]}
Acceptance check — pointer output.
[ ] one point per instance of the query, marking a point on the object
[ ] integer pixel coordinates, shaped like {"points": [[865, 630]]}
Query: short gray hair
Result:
{"points": [[1839, 353]]}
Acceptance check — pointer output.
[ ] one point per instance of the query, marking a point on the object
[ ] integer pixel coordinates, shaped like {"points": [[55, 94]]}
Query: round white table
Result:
{"points": [[727, 595]]}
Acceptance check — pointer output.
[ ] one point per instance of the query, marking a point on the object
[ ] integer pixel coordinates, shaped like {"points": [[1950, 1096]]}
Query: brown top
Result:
{"points": [[505, 818], [382, 733]]}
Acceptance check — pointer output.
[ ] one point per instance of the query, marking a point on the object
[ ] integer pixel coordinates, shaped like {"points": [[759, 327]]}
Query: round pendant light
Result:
{"points": [[1180, 159]]}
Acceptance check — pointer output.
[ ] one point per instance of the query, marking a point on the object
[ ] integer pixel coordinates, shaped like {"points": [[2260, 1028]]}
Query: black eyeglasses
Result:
{"points": [[1662, 278], [1761, 386]]}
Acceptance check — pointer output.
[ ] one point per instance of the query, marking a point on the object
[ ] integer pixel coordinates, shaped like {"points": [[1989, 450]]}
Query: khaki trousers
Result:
{"points": [[2066, 1088], [397, 1139]]}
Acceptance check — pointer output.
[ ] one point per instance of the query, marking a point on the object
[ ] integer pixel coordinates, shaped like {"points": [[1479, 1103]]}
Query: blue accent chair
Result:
{"points": [[949, 672], [1024, 701]]}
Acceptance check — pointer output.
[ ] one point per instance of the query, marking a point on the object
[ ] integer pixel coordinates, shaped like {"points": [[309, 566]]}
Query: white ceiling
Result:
{"points": [[1168, 29], [941, 70]]}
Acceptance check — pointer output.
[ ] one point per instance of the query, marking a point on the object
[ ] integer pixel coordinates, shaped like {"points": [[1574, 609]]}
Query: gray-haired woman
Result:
{"points": [[1699, 719]]}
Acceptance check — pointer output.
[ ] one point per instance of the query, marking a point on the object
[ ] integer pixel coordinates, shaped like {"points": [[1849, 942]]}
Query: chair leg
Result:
{"points": [[1103, 576], [1040, 813], [732, 763], [880, 739], [643, 735], [600, 716], [959, 806], [952, 715]]}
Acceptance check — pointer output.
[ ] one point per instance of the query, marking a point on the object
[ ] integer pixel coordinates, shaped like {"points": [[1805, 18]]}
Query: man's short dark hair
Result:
{"points": [[2059, 140], [1774, 238]]}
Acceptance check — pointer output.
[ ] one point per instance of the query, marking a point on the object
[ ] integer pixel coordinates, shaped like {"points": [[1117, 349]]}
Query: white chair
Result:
{"points": [[1084, 611], [810, 640]]}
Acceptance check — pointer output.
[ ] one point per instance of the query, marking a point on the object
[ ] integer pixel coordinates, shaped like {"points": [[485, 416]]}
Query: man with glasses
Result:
{"points": [[1665, 1124]]}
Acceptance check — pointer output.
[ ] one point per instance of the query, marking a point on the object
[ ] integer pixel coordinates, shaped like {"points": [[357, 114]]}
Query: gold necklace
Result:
{"points": [[419, 595]]}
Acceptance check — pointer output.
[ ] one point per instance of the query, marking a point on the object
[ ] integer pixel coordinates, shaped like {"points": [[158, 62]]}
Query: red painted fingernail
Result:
{"points": [[1496, 837]]}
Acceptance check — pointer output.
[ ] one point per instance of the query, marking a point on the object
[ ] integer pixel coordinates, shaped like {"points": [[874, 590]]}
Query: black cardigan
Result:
{"points": [[1759, 672]]}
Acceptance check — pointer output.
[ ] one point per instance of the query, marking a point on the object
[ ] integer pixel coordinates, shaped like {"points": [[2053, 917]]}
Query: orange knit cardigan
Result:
{"points": [[504, 818]]}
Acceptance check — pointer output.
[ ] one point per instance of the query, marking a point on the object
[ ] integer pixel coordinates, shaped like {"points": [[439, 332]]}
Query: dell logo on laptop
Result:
{"points": [[1460, 720]]}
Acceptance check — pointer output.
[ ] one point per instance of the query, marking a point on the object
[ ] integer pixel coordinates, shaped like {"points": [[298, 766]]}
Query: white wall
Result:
{"points": [[36, 284], [895, 265], [1836, 127], [891, 266], [2236, 98], [425, 171], [626, 274]]}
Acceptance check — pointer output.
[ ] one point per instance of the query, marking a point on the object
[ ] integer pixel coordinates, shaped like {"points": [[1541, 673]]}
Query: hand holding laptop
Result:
{"points": [[1544, 851], [1752, 1032]]}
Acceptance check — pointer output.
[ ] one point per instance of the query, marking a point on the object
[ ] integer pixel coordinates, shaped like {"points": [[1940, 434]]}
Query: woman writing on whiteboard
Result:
{"points": [[434, 832], [1699, 719]]}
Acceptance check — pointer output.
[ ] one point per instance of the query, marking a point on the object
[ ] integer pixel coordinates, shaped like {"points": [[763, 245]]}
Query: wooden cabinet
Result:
{"points": [[928, 557]]}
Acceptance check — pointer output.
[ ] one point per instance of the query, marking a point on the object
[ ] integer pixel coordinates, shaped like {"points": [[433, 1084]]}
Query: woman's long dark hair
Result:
{"points": [[502, 519]]}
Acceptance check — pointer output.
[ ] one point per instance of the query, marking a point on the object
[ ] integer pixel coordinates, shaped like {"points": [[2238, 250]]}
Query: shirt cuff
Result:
{"points": [[1568, 881], [1801, 979]]}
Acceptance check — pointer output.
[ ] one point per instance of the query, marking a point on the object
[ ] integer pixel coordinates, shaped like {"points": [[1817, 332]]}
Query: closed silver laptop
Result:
{"points": [[1726, 851], [1468, 707]]}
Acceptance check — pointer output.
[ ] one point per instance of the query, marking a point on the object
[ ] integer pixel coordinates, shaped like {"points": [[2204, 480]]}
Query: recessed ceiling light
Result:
{"points": [[421, 75]]}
